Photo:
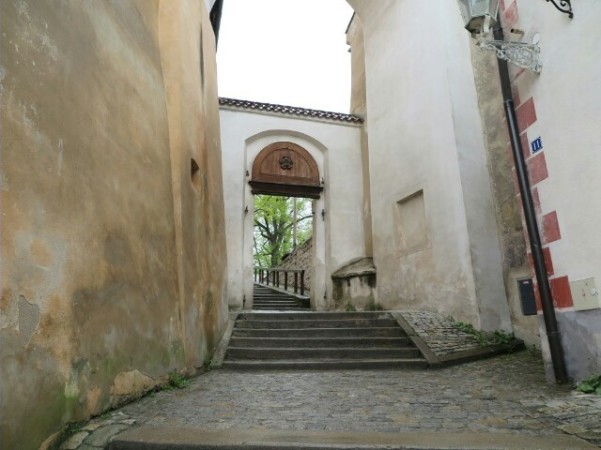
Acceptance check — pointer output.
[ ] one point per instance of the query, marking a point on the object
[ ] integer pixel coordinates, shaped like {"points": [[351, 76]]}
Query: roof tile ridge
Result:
{"points": [[288, 109]]}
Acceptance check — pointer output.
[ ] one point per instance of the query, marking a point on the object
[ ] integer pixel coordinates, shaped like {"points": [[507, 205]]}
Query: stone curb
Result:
{"points": [[481, 353], [180, 438], [219, 355], [431, 357], [436, 361]]}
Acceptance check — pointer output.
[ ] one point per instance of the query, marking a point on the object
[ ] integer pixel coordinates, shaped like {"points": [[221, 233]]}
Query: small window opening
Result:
{"points": [[195, 174]]}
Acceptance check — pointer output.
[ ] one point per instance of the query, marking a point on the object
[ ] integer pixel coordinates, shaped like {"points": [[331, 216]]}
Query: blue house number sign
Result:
{"points": [[536, 145]]}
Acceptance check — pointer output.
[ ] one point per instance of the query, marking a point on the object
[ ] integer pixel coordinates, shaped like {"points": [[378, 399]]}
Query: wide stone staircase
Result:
{"points": [[266, 298], [319, 340]]}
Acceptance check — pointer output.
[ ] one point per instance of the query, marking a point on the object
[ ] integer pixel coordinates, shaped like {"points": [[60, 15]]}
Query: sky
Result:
{"points": [[290, 52]]}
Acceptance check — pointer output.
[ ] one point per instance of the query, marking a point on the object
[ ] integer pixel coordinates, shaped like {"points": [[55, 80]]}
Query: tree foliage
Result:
{"points": [[274, 224]]}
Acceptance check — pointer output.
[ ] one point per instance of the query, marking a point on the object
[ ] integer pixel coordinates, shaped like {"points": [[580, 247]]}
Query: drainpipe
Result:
{"points": [[544, 288]]}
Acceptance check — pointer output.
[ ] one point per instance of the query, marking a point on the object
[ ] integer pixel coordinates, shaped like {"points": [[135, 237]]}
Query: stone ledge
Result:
{"points": [[356, 268], [173, 437], [442, 344]]}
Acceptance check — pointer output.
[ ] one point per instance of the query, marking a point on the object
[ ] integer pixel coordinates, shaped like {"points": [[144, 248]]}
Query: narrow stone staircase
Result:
{"points": [[320, 340], [265, 298]]}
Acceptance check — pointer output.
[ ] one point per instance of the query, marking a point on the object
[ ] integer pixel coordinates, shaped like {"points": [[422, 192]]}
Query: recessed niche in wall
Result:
{"points": [[411, 223], [202, 65], [195, 174]]}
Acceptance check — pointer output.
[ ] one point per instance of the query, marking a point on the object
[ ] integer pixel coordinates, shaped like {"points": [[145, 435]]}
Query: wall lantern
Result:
{"points": [[479, 16]]}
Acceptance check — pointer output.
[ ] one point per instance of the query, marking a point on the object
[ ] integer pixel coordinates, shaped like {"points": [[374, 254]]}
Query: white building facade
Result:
{"points": [[437, 133], [333, 141]]}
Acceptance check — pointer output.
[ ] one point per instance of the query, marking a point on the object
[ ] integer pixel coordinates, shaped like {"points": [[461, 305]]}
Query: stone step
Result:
{"points": [[293, 353], [314, 315], [272, 295], [327, 364], [320, 323], [265, 298], [184, 437], [280, 308], [316, 342], [320, 341], [272, 298], [276, 302], [318, 332]]}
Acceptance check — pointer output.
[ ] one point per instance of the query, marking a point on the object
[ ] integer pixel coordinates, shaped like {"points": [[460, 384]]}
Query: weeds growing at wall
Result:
{"points": [[373, 306], [591, 385], [486, 339], [177, 381]]}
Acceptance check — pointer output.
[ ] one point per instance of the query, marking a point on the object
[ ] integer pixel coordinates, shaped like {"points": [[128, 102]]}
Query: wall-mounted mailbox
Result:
{"points": [[526, 289]]}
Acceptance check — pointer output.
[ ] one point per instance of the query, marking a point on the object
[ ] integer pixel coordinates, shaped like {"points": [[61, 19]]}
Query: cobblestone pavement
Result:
{"points": [[507, 394]]}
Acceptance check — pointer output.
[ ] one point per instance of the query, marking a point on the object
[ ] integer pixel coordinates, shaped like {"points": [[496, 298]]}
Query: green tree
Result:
{"points": [[274, 227]]}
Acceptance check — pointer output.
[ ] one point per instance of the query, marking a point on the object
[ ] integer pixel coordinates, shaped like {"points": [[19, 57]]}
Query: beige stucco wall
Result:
{"points": [[435, 240], [112, 262], [338, 236], [356, 42]]}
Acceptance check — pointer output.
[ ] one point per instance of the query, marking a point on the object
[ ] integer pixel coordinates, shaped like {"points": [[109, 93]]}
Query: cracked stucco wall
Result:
{"points": [[113, 258]]}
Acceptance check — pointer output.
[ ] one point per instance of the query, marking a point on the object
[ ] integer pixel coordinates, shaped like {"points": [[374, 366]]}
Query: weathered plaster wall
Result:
{"points": [[355, 285], [562, 106], [338, 237], [102, 111], [435, 238], [356, 41], [506, 203]]}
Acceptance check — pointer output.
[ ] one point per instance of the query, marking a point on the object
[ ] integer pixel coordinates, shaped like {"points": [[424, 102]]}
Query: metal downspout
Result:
{"points": [[544, 288]]}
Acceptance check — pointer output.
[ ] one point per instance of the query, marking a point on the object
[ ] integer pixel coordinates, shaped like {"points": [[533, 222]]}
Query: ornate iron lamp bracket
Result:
{"points": [[521, 54], [565, 6]]}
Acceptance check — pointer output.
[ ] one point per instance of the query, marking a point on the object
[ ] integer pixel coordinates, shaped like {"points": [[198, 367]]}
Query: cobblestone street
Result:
{"points": [[506, 394]]}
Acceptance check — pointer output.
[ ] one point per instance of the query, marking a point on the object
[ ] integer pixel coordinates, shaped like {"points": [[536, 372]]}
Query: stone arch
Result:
{"points": [[285, 168]]}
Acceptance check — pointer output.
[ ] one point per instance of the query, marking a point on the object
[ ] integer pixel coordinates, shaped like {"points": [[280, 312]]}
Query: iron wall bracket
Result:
{"points": [[565, 6], [520, 54]]}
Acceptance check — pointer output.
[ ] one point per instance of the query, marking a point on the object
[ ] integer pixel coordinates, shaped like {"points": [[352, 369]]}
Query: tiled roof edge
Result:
{"points": [[290, 110]]}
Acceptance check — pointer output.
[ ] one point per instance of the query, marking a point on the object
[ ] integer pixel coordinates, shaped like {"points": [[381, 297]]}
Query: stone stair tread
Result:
{"points": [[317, 332], [304, 349], [319, 354], [323, 364], [319, 340], [323, 323], [324, 360], [267, 305], [312, 315], [349, 340], [278, 302], [266, 298], [322, 329]]}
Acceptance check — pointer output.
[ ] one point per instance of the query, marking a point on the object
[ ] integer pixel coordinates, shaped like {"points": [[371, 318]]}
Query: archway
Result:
{"points": [[285, 170]]}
